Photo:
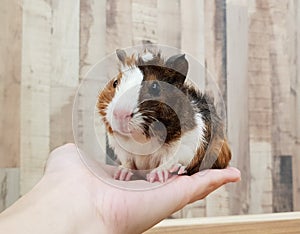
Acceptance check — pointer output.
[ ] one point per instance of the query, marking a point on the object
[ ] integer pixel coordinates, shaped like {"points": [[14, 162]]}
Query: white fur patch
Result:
{"points": [[182, 151], [147, 57], [191, 141], [127, 93]]}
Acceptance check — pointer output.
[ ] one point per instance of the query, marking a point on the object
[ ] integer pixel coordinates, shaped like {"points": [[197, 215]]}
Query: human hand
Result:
{"points": [[129, 211], [71, 199]]}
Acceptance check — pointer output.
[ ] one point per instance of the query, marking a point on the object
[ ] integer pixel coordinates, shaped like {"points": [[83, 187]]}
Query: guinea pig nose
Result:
{"points": [[122, 114]]}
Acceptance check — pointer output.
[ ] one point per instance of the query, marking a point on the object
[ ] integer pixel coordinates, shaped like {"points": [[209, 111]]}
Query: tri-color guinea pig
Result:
{"points": [[158, 121]]}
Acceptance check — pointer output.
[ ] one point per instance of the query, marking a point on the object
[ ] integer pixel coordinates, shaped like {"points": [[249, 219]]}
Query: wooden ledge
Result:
{"points": [[263, 223]]}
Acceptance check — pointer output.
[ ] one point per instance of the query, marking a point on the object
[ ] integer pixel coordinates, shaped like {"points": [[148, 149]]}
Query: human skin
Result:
{"points": [[71, 199]]}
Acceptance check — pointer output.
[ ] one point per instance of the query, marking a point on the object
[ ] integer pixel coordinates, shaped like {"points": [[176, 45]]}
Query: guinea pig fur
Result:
{"points": [[157, 121]]}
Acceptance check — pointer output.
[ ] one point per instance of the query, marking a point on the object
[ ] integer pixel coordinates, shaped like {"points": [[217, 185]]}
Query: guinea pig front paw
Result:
{"points": [[123, 173], [178, 168], [158, 174]]}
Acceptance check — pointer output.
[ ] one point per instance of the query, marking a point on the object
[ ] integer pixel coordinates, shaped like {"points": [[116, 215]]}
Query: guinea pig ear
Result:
{"points": [[178, 63], [121, 54]]}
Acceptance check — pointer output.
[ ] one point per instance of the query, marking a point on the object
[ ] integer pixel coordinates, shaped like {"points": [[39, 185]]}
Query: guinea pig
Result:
{"points": [[158, 121]]}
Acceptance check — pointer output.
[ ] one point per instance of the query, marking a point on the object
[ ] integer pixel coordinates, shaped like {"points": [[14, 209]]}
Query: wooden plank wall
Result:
{"points": [[250, 47], [35, 90], [92, 34], [281, 93], [296, 159], [238, 130], [260, 107], [10, 78], [65, 69], [49, 79], [279, 223]]}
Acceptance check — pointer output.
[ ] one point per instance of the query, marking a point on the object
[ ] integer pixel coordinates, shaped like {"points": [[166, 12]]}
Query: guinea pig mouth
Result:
{"points": [[123, 132], [123, 129], [134, 135]]}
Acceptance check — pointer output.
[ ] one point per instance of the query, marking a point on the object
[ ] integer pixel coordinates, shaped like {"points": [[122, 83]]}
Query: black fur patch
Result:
{"points": [[172, 107]]}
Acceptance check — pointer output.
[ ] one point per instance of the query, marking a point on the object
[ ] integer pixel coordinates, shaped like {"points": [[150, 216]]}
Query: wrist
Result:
{"points": [[52, 206]]}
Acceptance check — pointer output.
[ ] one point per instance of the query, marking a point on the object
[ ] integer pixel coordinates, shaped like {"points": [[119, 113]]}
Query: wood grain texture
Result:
{"points": [[92, 50], [215, 44], [237, 108], [192, 28], [215, 74], [10, 77], [192, 37], [169, 23], [35, 91], [293, 33], [281, 55], [260, 108], [92, 34], [118, 25], [296, 161], [9, 186], [144, 21], [248, 224], [65, 69]]}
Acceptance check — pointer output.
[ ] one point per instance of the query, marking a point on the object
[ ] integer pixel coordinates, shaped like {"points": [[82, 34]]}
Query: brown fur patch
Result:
{"points": [[224, 156], [151, 77], [131, 61], [105, 97], [171, 107], [216, 152]]}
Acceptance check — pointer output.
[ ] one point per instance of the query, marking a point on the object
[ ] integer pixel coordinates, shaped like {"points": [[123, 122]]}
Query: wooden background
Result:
{"points": [[252, 48]]}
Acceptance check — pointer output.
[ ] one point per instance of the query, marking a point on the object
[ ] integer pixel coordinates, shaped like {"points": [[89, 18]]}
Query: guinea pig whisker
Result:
{"points": [[148, 111], [138, 119], [152, 118], [136, 126], [152, 130], [137, 115]]}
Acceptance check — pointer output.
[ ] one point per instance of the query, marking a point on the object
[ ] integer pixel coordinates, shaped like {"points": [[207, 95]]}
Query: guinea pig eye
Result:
{"points": [[115, 83], [154, 89]]}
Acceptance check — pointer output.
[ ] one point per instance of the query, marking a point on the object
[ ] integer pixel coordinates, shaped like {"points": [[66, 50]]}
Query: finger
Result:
{"points": [[230, 173], [199, 185], [182, 190], [211, 180]]}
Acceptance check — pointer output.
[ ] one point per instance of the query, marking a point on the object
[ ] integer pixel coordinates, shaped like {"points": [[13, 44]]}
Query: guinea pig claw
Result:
{"points": [[151, 178], [180, 169], [167, 175], [123, 174], [175, 168], [159, 174]]}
